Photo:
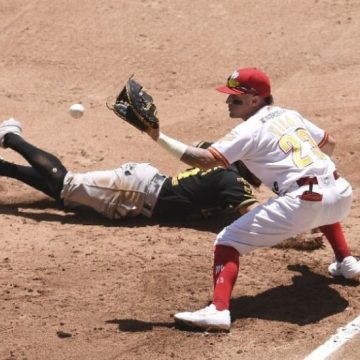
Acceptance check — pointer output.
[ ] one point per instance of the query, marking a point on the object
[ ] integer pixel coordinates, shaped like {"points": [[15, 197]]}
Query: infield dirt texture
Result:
{"points": [[76, 286]]}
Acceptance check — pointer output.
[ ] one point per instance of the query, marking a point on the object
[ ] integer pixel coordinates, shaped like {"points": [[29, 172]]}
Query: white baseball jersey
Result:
{"points": [[280, 147]]}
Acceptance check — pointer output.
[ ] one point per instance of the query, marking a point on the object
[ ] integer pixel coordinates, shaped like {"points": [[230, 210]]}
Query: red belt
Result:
{"points": [[313, 179]]}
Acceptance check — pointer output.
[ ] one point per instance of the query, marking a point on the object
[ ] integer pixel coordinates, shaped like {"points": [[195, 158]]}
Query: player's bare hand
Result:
{"points": [[153, 133]]}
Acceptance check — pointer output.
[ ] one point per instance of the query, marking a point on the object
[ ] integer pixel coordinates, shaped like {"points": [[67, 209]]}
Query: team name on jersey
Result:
{"points": [[284, 124], [272, 115]]}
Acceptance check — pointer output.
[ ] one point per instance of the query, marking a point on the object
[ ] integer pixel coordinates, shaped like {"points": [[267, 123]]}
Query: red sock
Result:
{"points": [[225, 271], [336, 238]]}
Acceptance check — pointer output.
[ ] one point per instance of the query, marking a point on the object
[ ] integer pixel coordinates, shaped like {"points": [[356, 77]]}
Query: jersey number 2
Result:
{"points": [[294, 143]]}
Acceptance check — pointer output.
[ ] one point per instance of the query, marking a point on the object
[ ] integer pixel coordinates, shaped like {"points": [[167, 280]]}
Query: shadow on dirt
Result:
{"points": [[130, 325], [307, 300], [49, 211]]}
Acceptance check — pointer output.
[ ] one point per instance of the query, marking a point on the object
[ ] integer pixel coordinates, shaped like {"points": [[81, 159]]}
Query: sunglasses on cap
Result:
{"points": [[234, 84]]}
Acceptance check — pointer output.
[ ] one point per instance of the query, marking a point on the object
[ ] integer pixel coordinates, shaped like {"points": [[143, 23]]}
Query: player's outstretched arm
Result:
{"points": [[190, 155]]}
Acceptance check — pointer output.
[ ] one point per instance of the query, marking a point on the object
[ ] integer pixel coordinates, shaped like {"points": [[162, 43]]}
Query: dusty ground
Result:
{"points": [[75, 286]]}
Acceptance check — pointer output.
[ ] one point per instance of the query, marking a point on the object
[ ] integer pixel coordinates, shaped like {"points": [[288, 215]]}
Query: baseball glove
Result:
{"points": [[136, 106]]}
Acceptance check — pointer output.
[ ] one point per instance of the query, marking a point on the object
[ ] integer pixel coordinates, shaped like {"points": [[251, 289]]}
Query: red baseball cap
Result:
{"points": [[247, 81]]}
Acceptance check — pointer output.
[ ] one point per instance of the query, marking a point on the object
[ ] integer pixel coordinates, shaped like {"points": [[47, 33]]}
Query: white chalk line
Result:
{"points": [[341, 336]]}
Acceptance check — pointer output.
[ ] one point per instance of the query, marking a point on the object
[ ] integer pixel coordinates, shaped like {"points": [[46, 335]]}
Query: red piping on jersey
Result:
{"points": [[217, 155], [324, 140]]}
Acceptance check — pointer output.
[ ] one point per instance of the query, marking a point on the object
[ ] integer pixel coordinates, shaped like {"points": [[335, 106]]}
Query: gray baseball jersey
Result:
{"points": [[127, 191]]}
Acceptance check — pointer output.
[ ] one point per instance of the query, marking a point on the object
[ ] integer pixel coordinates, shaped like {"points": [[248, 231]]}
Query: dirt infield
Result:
{"points": [[76, 286]]}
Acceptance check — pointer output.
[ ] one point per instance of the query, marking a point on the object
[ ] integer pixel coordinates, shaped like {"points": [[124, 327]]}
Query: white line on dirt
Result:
{"points": [[341, 336]]}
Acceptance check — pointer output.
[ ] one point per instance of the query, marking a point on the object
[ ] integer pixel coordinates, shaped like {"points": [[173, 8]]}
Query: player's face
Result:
{"points": [[241, 105]]}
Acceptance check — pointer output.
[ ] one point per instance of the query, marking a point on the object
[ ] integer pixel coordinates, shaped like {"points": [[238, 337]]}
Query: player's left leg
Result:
{"points": [[345, 264], [335, 235], [47, 172], [338, 199], [26, 174]]}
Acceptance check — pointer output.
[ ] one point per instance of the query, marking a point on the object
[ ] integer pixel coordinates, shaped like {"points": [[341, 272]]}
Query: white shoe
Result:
{"points": [[349, 268], [208, 318], [9, 126]]}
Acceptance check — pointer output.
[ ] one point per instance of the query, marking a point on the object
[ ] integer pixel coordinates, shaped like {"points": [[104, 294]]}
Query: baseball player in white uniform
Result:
{"points": [[291, 156]]}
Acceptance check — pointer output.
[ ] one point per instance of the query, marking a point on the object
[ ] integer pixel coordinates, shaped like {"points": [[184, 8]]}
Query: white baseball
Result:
{"points": [[77, 110]]}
